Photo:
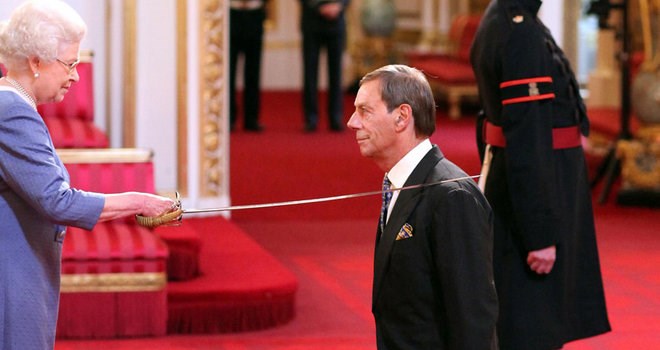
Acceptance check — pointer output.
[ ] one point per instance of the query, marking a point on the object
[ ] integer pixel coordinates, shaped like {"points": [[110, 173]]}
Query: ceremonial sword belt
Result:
{"points": [[567, 137], [174, 217]]}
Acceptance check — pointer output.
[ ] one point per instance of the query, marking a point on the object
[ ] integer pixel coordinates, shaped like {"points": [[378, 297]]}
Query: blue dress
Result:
{"points": [[36, 204]]}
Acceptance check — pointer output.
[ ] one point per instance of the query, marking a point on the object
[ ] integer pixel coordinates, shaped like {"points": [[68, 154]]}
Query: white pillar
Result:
{"points": [[428, 27], [605, 79], [552, 15]]}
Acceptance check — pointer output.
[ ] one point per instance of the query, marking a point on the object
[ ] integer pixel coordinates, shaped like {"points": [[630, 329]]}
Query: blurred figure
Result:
{"points": [[246, 30], [39, 46], [547, 270], [323, 26], [433, 274]]}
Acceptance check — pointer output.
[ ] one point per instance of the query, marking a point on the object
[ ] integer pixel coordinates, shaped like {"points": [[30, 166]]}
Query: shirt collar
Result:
{"points": [[404, 167]]}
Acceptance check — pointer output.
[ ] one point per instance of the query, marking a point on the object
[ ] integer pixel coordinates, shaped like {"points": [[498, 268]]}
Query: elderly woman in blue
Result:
{"points": [[39, 46]]}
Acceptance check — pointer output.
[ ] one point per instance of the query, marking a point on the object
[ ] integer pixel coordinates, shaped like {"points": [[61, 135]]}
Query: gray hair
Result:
{"points": [[401, 84], [38, 28]]}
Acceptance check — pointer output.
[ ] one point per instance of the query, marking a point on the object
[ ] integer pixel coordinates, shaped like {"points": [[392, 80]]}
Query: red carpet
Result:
{"points": [[241, 287], [329, 246]]}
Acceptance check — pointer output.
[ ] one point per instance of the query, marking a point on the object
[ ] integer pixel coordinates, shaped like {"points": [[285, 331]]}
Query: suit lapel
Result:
{"points": [[405, 204]]}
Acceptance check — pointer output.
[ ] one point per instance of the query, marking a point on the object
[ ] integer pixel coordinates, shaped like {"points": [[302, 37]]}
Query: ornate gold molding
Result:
{"points": [[649, 12], [182, 96], [113, 282], [640, 160], [130, 37], [104, 155], [212, 98], [572, 10]]}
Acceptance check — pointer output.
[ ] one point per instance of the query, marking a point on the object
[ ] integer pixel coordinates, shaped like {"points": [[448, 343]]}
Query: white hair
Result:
{"points": [[38, 28]]}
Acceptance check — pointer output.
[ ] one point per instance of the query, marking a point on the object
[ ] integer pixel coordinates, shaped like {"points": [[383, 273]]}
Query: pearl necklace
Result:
{"points": [[21, 90]]}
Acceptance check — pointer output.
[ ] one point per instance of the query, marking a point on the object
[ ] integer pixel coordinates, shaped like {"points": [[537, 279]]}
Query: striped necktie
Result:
{"points": [[387, 196]]}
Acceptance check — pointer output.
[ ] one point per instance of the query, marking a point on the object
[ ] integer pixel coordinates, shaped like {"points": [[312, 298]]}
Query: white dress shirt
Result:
{"points": [[400, 172]]}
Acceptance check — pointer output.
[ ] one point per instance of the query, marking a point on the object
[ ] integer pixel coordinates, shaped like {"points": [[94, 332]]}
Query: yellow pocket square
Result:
{"points": [[405, 232]]}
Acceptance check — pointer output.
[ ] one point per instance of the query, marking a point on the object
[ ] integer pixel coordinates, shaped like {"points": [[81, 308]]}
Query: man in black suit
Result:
{"points": [[323, 25], [433, 275], [246, 19]]}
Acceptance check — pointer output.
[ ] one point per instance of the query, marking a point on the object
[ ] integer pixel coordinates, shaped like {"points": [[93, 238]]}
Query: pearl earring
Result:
{"points": [[36, 75]]}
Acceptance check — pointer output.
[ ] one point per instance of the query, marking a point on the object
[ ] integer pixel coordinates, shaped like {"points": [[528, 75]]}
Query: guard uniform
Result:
{"points": [[537, 181]]}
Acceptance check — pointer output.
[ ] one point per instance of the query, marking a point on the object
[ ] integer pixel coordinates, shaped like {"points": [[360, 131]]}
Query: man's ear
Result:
{"points": [[405, 116]]}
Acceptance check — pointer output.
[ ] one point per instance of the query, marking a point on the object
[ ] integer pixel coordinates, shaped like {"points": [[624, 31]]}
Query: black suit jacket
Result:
{"points": [[435, 289]]}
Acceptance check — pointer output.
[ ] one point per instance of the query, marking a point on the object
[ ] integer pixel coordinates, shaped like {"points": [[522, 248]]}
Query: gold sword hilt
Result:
{"points": [[170, 218]]}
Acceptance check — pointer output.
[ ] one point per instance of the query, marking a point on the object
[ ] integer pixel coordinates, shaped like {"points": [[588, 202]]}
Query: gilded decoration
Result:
{"points": [[113, 282], [104, 155], [182, 96], [212, 75], [640, 160], [129, 67]]}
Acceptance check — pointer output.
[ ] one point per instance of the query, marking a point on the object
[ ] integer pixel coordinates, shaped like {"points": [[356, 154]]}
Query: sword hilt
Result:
{"points": [[171, 218]]}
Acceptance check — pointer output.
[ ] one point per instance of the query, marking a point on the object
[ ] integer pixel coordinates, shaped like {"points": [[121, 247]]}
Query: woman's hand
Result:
{"points": [[120, 205], [154, 205]]}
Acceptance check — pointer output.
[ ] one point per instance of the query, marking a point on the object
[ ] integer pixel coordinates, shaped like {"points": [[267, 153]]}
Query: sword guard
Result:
{"points": [[168, 219], [171, 218]]}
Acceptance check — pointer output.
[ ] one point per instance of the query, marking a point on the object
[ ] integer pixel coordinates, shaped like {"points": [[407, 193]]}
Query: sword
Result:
{"points": [[176, 215]]}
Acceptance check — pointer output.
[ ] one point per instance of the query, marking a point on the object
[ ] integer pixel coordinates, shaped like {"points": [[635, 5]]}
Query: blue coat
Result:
{"points": [[36, 203]]}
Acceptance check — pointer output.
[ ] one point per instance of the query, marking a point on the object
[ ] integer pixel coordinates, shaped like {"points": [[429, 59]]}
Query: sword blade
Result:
{"points": [[322, 199]]}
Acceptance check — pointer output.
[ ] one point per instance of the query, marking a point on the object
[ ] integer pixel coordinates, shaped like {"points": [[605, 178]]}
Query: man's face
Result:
{"points": [[373, 125]]}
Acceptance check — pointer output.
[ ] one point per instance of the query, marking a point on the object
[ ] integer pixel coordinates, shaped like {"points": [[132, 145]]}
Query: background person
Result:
{"points": [[547, 270], [433, 276], [246, 30], [323, 26], [39, 46]]}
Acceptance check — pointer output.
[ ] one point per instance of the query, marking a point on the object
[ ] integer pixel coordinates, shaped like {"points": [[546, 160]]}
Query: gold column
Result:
{"points": [[605, 79], [572, 10], [130, 38], [430, 23], [182, 96], [213, 50]]}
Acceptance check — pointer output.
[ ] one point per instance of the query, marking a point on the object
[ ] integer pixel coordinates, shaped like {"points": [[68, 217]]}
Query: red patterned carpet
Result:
{"points": [[329, 246]]}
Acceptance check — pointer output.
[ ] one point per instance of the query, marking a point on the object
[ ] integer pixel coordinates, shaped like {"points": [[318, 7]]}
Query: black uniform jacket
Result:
{"points": [[539, 194], [434, 289]]}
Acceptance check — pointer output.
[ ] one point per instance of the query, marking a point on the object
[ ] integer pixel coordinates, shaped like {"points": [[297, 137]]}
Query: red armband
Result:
{"points": [[526, 90]]}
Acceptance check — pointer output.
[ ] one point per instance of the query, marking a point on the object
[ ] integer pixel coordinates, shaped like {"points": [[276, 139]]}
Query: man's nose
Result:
{"points": [[353, 122]]}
